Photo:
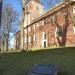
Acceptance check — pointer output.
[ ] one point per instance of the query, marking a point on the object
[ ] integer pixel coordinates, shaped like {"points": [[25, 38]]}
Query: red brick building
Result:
{"points": [[53, 28], [17, 41]]}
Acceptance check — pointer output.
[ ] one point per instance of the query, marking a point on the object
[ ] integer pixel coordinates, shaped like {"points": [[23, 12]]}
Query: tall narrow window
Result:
{"points": [[29, 29], [44, 40], [25, 39], [42, 22], [74, 9], [34, 37], [58, 32], [44, 35], [29, 39], [74, 29], [25, 31], [34, 26]]}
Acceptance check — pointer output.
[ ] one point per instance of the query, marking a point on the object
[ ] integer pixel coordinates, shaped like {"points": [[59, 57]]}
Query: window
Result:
{"points": [[44, 44], [25, 31], [74, 9], [58, 32], [58, 13], [25, 39], [29, 39], [44, 40], [34, 26], [37, 25], [29, 29], [34, 37], [74, 29], [44, 35], [37, 8], [53, 18], [47, 20], [42, 22]]}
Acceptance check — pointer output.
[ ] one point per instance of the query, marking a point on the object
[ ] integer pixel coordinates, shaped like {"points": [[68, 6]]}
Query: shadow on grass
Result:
{"points": [[63, 73], [1, 72]]}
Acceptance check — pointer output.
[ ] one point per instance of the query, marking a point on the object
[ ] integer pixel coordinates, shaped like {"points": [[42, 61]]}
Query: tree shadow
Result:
{"points": [[63, 73], [1, 72]]}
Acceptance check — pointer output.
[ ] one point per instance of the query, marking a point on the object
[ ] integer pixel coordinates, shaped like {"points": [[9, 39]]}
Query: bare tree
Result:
{"points": [[9, 23], [62, 31]]}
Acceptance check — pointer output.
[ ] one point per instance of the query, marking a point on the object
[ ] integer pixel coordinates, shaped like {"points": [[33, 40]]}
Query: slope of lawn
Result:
{"points": [[20, 62]]}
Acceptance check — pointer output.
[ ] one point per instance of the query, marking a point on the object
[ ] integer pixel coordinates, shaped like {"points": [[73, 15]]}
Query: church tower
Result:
{"points": [[33, 10]]}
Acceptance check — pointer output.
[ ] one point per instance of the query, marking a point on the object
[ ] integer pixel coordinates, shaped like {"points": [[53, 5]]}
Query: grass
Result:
{"points": [[20, 62]]}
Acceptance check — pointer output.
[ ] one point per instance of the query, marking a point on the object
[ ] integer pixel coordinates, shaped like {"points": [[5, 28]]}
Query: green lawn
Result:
{"points": [[19, 63]]}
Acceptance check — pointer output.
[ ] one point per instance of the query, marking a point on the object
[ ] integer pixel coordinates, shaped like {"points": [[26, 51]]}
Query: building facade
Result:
{"points": [[52, 29]]}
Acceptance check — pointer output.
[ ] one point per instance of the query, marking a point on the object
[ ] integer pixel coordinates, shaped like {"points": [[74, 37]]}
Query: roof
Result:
{"points": [[49, 12]]}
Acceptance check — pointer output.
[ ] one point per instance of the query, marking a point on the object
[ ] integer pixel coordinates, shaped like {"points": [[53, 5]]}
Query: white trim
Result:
{"points": [[74, 29]]}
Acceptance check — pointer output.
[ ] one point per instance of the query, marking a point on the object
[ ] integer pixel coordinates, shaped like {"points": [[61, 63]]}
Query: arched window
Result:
{"points": [[44, 35], [58, 32], [74, 29], [25, 39], [29, 39], [34, 37]]}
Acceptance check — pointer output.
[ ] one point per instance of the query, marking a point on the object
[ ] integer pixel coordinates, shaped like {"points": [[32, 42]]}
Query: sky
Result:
{"points": [[17, 4], [17, 7]]}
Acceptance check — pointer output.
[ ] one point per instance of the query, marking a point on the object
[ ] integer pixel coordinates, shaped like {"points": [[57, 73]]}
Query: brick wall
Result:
{"points": [[45, 24]]}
